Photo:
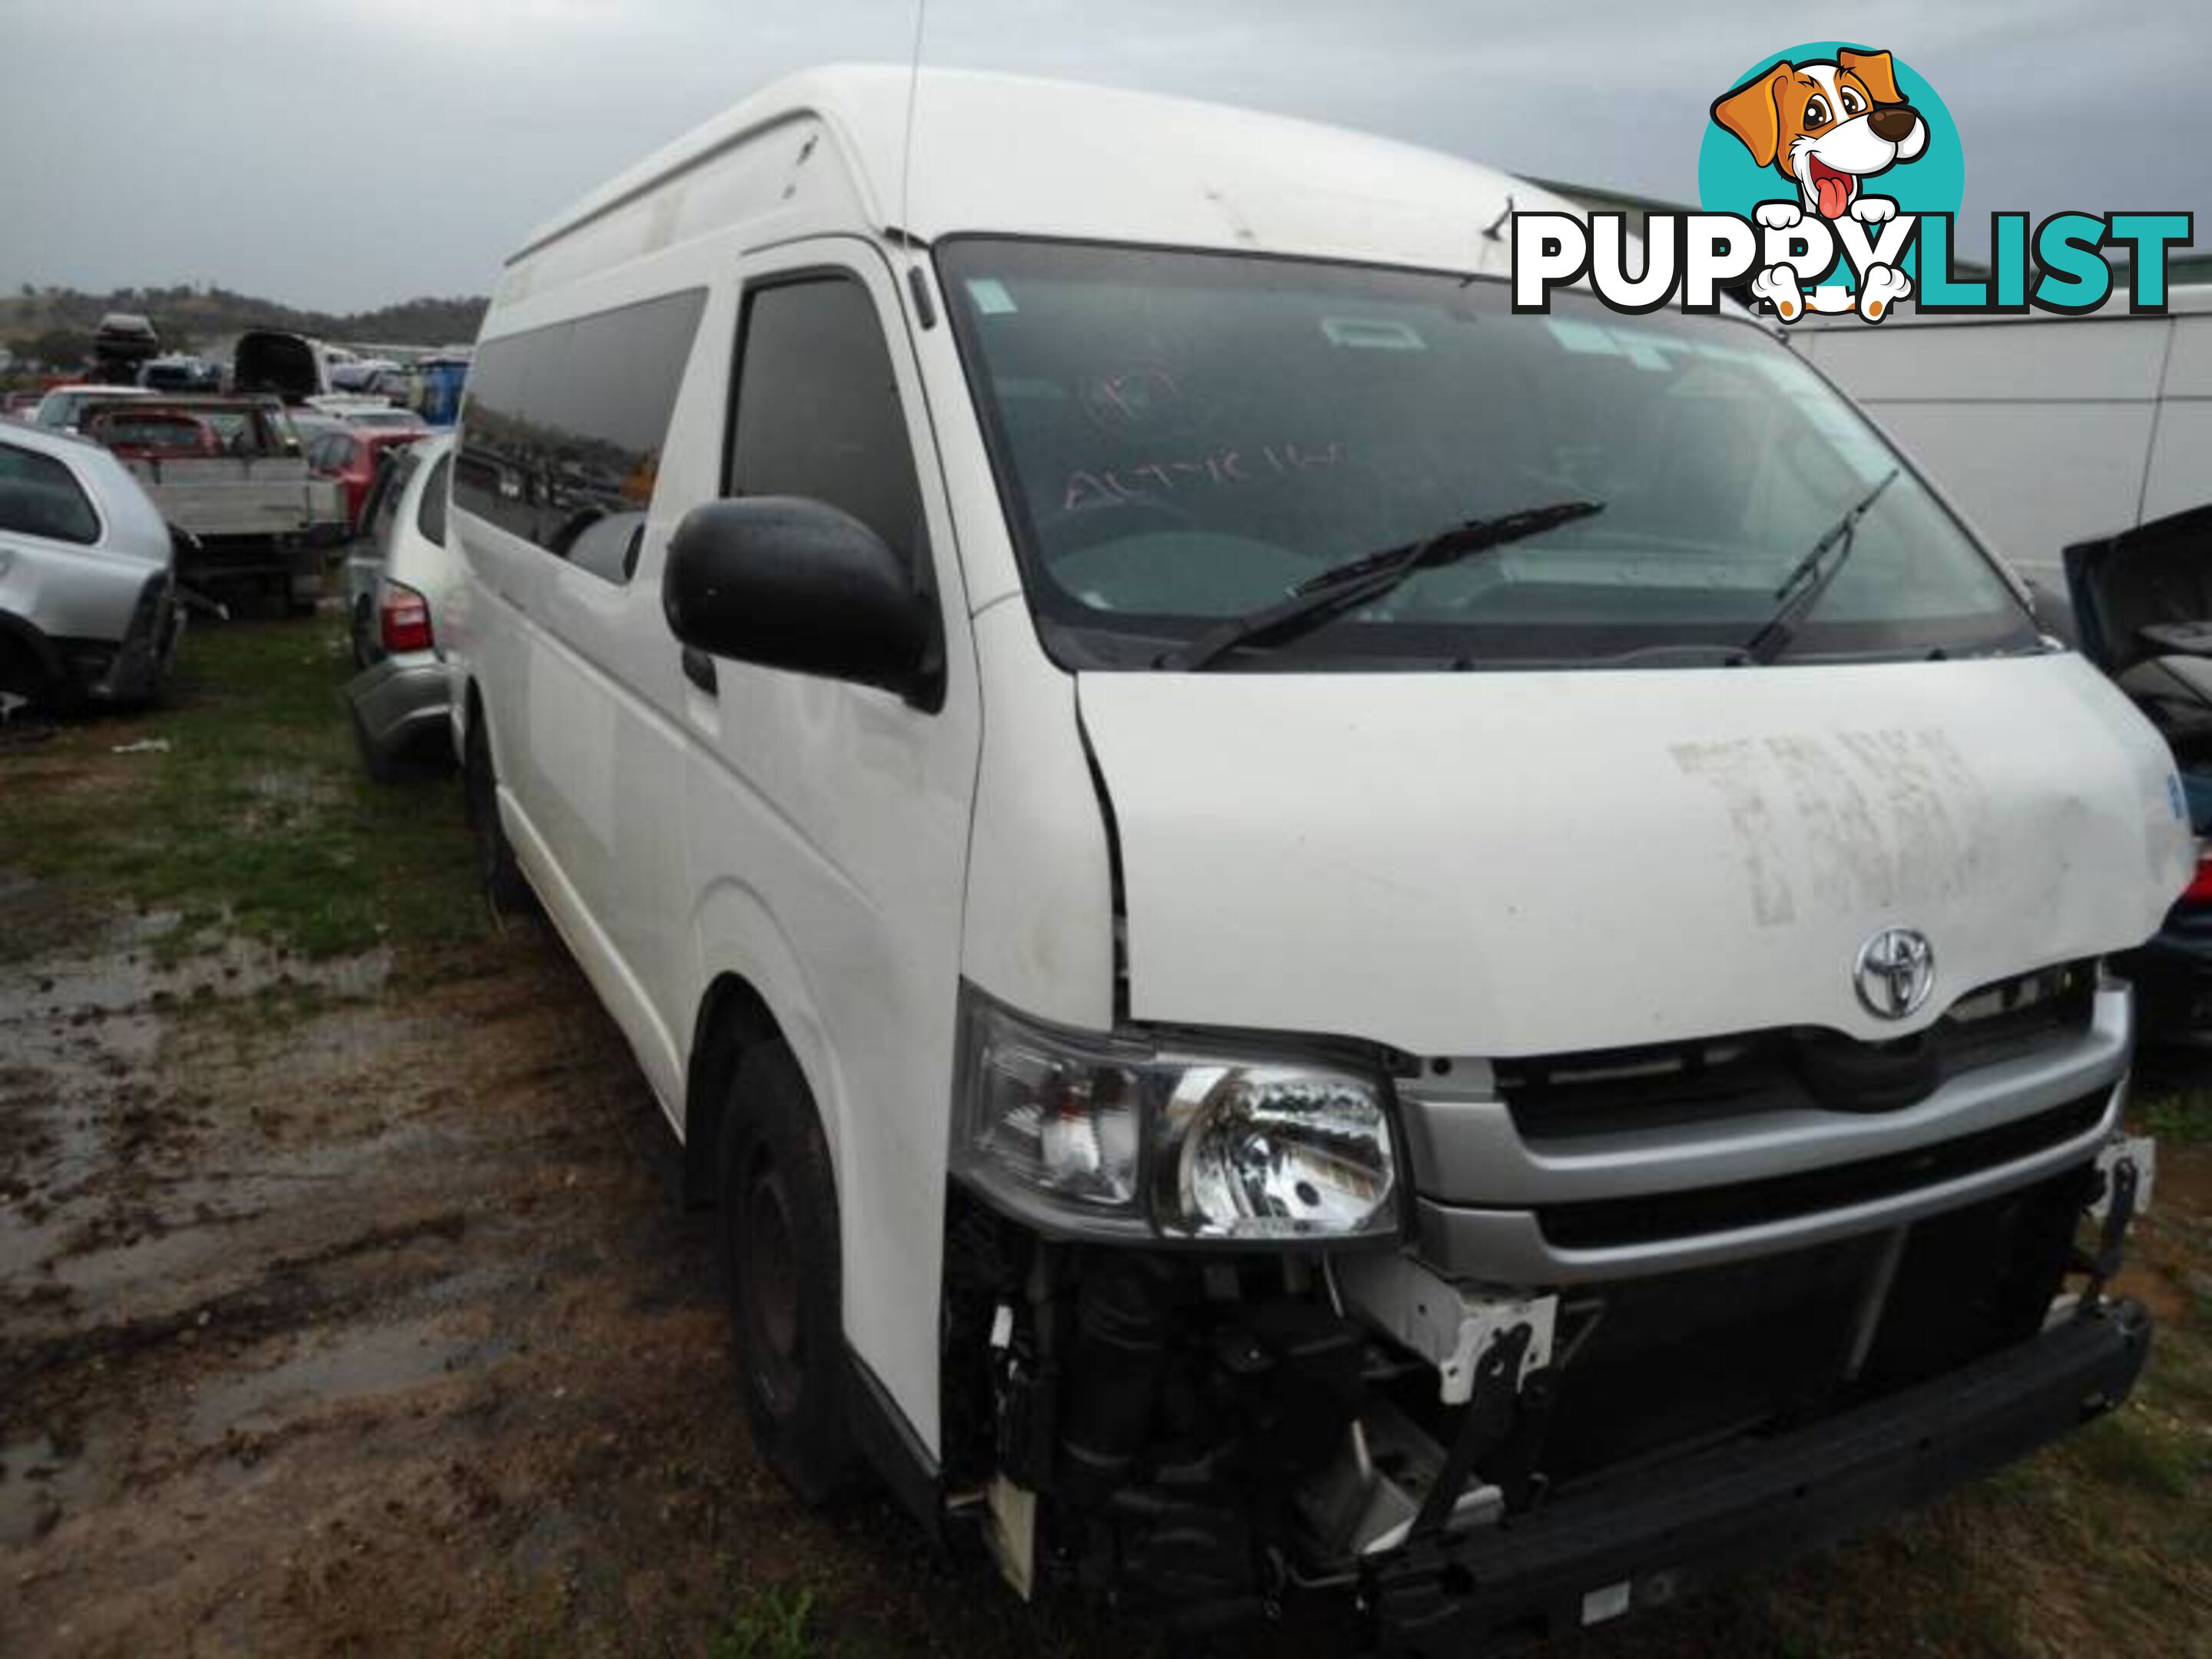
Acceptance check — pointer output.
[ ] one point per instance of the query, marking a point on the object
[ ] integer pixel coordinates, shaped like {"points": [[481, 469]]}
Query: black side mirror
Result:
{"points": [[798, 584]]}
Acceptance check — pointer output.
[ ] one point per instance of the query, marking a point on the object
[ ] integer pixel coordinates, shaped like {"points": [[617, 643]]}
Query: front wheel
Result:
{"points": [[783, 1269]]}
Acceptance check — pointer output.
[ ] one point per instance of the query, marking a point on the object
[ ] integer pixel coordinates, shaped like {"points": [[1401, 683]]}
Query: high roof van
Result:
{"points": [[1317, 940]]}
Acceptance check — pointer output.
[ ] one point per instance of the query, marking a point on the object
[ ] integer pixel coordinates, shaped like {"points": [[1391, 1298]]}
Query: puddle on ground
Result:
{"points": [[38, 1482], [128, 974], [225, 1194], [336, 1368], [81, 1096]]}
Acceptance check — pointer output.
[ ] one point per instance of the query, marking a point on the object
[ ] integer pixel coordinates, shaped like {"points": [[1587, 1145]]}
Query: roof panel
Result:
{"points": [[1016, 154]]}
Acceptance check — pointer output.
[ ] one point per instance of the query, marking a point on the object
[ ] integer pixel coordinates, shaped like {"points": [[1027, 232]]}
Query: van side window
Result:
{"points": [[818, 411], [39, 496], [562, 429]]}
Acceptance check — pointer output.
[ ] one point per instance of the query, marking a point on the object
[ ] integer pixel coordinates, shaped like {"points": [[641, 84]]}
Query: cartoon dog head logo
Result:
{"points": [[1824, 125], [1832, 119]]}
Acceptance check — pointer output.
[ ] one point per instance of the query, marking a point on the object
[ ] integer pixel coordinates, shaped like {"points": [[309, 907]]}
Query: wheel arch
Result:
{"points": [[733, 1019], [754, 993]]}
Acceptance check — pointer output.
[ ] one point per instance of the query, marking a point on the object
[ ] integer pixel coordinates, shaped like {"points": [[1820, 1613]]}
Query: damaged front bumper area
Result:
{"points": [[1637, 1542], [1456, 1433], [1212, 1444]]}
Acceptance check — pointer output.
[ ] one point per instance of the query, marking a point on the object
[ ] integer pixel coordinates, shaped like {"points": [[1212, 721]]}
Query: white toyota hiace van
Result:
{"points": [[1316, 937]]}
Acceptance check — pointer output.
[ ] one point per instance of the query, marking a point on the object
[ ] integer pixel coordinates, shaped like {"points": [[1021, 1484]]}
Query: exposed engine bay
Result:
{"points": [[1207, 1437]]}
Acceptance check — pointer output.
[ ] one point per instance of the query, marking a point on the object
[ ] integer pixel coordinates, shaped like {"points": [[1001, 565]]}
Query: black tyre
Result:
{"points": [[504, 884], [21, 675], [362, 626], [783, 1269]]}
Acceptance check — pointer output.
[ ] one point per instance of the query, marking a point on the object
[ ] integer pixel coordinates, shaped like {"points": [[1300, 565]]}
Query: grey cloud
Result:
{"points": [[344, 153]]}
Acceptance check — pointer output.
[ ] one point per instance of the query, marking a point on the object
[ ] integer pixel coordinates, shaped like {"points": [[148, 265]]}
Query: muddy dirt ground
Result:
{"points": [[344, 1308], [321, 1298], [345, 1315]]}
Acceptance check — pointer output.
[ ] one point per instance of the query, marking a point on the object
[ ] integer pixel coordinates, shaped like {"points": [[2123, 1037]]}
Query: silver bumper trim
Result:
{"points": [[1466, 1149], [1509, 1246]]}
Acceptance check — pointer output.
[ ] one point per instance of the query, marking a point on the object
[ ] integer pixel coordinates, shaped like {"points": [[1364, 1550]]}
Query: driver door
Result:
{"points": [[842, 810]]}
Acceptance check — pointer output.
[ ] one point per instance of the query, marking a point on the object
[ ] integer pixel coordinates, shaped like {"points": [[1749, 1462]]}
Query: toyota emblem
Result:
{"points": [[1896, 971]]}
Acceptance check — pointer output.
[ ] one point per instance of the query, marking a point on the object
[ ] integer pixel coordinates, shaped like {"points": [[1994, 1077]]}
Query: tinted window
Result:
{"points": [[819, 409], [430, 514], [39, 496], [562, 433], [491, 471]]}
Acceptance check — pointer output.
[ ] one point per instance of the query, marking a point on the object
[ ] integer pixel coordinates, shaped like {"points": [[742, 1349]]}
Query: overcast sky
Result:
{"points": [[343, 154]]}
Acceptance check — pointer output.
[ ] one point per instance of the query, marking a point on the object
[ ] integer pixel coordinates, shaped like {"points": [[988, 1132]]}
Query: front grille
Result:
{"points": [[1652, 1217], [1561, 1097]]}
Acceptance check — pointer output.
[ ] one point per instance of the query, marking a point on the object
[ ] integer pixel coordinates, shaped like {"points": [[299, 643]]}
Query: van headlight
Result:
{"points": [[1084, 1133]]}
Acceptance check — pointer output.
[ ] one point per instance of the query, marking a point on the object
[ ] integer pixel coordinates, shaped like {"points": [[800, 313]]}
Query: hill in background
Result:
{"points": [[54, 326]]}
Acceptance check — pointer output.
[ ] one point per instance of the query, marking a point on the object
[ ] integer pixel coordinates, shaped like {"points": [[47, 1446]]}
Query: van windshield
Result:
{"points": [[1184, 438]]}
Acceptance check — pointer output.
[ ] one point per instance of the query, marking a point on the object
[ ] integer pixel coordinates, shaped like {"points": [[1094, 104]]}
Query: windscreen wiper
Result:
{"points": [[1359, 582], [1809, 578]]}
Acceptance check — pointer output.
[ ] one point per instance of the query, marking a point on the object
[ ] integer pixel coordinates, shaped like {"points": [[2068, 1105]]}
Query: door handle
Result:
{"points": [[699, 669]]}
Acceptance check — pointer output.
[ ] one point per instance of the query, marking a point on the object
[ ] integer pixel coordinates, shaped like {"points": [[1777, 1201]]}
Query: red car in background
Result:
{"points": [[352, 455]]}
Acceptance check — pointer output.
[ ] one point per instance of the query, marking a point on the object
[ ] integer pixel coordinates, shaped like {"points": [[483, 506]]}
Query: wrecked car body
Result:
{"points": [[2143, 612], [88, 602], [227, 472]]}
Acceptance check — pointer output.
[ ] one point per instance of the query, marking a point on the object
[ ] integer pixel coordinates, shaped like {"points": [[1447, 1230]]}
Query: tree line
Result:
{"points": [[54, 326]]}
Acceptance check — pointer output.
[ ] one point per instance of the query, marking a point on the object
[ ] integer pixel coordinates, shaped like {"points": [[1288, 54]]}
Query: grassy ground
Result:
{"points": [[256, 821], [256, 815]]}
